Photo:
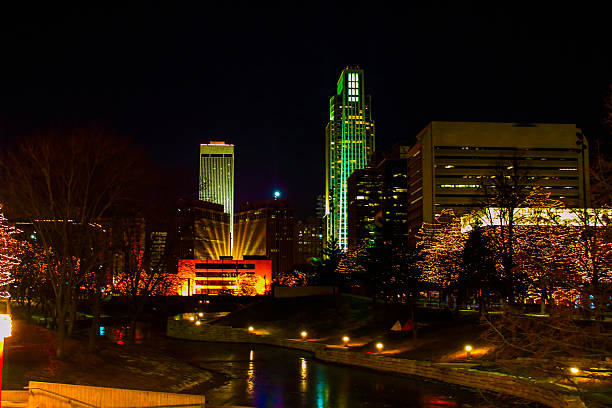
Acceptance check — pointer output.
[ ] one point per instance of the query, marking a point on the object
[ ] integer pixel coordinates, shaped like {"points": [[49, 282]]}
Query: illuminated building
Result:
{"points": [[452, 160], [349, 144], [377, 195], [566, 217], [365, 198], [308, 240], [206, 277], [217, 178], [201, 230], [266, 228]]}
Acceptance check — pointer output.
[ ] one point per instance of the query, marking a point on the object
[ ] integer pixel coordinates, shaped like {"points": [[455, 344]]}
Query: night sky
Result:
{"points": [[261, 77]]}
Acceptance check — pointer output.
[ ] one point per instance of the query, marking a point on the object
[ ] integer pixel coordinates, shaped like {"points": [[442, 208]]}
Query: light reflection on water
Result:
{"points": [[303, 375], [261, 376], [251, 375]]}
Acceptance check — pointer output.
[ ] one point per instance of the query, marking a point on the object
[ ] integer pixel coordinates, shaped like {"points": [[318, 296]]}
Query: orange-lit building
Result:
{"points": [[238, 277]]}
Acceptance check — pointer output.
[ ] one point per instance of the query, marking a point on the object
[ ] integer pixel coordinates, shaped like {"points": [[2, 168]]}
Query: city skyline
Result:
{"points": [[171, 78]]}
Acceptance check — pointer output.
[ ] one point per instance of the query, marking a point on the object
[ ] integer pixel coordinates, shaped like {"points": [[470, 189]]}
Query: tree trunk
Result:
{"points": [[71, 315], [94, 330], [61, 328], [135, 316]]}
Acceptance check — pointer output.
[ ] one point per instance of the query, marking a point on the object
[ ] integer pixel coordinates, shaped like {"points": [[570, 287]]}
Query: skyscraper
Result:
{"points": [[217, 178], [349, 144]]}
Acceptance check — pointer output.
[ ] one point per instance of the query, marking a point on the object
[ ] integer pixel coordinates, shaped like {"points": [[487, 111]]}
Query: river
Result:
{"points": [[265, 376]]}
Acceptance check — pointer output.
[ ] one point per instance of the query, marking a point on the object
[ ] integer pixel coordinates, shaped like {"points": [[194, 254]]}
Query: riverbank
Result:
{"points": [[29, 355]]}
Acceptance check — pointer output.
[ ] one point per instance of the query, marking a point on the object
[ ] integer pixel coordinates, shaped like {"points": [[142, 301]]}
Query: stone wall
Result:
{"points": [[546, 394]]}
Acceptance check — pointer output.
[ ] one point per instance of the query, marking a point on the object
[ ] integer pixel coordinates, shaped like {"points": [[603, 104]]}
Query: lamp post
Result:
{"points": [[346, 339], [5, 331], [468, 348], [304, 334]]}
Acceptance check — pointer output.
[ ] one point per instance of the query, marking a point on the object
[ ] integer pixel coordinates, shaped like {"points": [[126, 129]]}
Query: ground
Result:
{"points": [[442, 334], [442, 337], [30, 355]]}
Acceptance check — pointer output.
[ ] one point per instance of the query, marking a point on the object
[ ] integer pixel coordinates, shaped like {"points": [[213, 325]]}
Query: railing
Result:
{"points": [[70, 400]]}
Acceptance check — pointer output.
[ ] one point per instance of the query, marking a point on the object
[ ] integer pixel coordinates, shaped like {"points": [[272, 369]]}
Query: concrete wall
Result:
{"points": [[300, 291], [546, 394], [43, 395]]}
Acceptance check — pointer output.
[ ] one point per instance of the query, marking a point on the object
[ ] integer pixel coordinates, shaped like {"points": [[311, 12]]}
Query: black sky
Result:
{"points": [[261, 77]]}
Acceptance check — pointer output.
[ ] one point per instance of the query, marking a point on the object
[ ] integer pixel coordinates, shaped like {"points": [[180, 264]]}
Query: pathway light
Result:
{"points": [[198, 323], [304, 334], [379, 346], [346, 339], [251, 328]]}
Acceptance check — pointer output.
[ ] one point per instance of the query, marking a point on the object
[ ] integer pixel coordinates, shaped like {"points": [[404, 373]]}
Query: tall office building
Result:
{"points": [[349, 144], [451, 161], [217, 178]]}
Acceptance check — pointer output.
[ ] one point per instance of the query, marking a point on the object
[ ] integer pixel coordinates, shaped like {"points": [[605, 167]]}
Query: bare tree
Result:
{"points": [[139, 267], [64, 181], [506, 190]]}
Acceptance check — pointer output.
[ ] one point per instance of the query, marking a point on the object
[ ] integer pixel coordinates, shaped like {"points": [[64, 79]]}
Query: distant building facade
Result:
{"points": [[266, 228], [349, 145], [309, 240], [377, 197], [217, 178], [451, 161], [214, 277]]}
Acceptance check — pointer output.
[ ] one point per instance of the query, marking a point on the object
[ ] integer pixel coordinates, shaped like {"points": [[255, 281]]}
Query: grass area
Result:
{"points": [[442, 335]]}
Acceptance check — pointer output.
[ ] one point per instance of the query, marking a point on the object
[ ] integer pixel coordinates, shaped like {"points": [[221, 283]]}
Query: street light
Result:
{"points": [[468, 348], [574, 370], [379, 346], [345, 339], [304, 334], [251, 329], [5, 331]]}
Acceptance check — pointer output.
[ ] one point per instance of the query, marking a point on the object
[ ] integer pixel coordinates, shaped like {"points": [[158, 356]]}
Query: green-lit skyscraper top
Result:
{"points": [[349, 144]]}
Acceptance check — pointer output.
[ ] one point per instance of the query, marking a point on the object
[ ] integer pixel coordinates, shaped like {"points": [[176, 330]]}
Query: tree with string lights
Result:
{"points": [[442, 244], [10, 254]]}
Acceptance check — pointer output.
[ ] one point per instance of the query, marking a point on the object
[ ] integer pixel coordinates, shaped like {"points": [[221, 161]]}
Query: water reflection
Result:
{"points": [[120, 334], [303, 375], [251, 375], [260, 376], [322, 387]]}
